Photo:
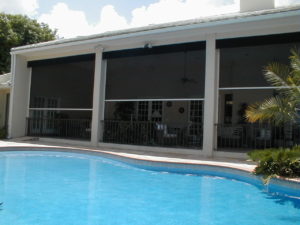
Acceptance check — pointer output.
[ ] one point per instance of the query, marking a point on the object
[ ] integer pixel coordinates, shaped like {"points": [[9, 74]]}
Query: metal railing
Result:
{"points": [[60, 128], [152, 134], [257, 136]]}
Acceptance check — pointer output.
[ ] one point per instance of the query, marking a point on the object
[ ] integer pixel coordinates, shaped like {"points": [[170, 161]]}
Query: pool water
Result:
{"points": [[43, 188]]}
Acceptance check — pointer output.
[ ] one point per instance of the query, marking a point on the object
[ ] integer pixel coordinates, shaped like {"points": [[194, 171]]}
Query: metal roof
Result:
{"points": [[224, 17]]}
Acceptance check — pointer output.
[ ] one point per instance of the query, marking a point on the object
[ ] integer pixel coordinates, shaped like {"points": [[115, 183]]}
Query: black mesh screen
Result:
{"points": [[243, 66], [63, 85], [160, 76]]}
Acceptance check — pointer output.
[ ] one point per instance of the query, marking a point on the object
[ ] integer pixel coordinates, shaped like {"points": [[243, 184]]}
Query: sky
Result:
{"points": [[74, 18]]}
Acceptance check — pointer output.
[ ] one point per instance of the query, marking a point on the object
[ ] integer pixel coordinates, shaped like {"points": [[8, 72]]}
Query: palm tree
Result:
{"points": [[284, 107]]}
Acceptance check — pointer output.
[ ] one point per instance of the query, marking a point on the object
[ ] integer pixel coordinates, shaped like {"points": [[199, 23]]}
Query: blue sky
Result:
{"points": [[84, 17]]}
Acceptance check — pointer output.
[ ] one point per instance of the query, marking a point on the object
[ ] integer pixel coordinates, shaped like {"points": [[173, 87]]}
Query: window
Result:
{"points": [[196, 117], [44, 102], [149, 111], [143, 109], [156, 112], [196, 111]]}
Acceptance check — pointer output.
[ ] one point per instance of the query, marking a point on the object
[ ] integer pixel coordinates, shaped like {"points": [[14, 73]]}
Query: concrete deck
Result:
{"points": [[182, 158]]}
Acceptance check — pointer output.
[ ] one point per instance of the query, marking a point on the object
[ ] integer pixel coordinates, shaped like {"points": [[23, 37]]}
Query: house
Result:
{"points": [[180, 86], [5, 85]]}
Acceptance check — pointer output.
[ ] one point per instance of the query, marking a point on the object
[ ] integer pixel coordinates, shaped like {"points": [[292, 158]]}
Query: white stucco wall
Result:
{"points": [[20, 96], [172, 116]]}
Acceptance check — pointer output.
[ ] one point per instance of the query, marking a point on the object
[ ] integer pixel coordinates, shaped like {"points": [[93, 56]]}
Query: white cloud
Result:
{"points": [[27, 7], [174, 10], [110, 20], [72, 23], [69, 22]]}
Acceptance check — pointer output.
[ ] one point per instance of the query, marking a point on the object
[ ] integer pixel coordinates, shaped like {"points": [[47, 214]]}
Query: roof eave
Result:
{"points": [[161, 28]]}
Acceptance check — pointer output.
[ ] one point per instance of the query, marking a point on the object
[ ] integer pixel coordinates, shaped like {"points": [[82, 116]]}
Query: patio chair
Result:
{"points": [[163, 135]]}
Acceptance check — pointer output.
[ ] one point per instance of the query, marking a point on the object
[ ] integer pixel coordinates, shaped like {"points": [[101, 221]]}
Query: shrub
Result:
{"points": [[277, 162]]}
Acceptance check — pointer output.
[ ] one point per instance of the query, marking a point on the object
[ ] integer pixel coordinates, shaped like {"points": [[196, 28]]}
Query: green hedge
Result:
{"points": [[277, 162]]}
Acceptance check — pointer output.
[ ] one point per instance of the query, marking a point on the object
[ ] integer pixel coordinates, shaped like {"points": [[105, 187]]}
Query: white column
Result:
{"points": [[19, 96], [29, 88], [98, 98], [211, 96]]}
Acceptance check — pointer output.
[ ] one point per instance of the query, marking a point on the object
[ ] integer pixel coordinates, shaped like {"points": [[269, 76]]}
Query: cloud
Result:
{"points": [[110, 20], [174, 10], [27, 7], [71, 23]]}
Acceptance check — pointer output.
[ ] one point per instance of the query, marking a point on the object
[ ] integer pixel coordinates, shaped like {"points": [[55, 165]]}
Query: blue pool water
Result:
{"points": [[43, 188]]}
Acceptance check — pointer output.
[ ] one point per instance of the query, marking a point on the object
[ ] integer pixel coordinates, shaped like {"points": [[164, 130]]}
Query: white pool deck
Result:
{"points": [[182, 158]]}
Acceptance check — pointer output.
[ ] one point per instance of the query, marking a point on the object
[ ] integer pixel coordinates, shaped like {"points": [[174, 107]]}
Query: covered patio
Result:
{"points": [[154, 96], [61, 97], [241, 84]]}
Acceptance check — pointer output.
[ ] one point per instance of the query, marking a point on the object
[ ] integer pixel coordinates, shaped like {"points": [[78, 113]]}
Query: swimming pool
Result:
{"points": [[43, 188]]}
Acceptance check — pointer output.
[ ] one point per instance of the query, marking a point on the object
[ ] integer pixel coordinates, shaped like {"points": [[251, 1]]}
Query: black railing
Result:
{"points": [[152, 134], [60, 128], [257, 136]]}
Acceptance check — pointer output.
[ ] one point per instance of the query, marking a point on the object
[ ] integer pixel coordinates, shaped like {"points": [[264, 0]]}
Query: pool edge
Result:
{"points": [[132, 158]]}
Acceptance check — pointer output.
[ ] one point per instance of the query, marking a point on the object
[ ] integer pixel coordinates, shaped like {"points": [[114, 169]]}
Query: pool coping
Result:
{"points": [[221, 162], [154, 157]]}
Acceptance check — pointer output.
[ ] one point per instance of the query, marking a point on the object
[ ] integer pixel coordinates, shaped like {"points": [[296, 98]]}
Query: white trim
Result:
{"points": [[29, 88], [19, 96], [102, 100], [61, 109], [12, 95], [256, 88], [217, 101], [154, 99], [211, 95], [98, 97]]}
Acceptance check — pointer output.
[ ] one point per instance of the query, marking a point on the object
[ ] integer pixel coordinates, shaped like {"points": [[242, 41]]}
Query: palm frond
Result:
{"points": [[295, 60], [283, 107], [295, 65], [293, 91], [277, 74], [277, 109], [285, 78]]}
